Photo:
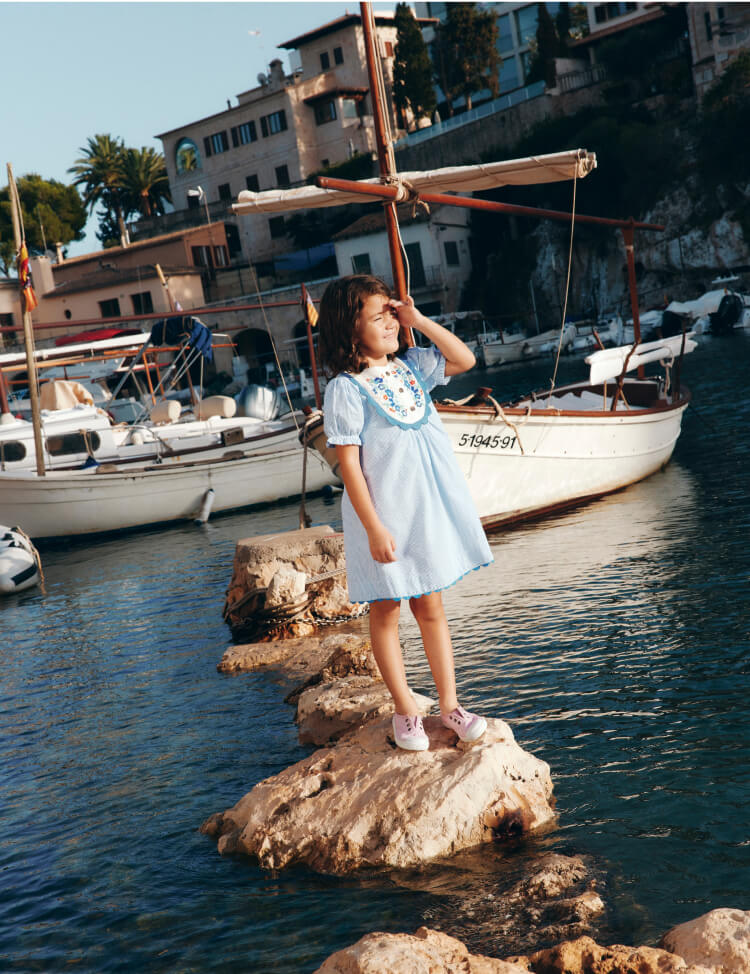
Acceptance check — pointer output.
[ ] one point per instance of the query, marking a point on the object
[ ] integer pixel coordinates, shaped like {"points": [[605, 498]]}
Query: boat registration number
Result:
{"points": [[488, 442]]}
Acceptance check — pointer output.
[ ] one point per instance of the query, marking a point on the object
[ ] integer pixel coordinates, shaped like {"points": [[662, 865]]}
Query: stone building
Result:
{"points": [[289, 126], [718, 32]]}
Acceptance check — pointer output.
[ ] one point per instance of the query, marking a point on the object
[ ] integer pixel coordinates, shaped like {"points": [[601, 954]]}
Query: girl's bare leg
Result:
{"points": [[430, 615], [387, 651]]}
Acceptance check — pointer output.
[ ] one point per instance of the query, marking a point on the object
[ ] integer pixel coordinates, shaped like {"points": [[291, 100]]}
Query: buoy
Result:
{"points": [[19, 561], [208, 502]]}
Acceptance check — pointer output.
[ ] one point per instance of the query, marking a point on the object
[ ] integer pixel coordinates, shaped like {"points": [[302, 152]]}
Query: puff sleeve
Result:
{"points": [[343, 413], [430, 363]]}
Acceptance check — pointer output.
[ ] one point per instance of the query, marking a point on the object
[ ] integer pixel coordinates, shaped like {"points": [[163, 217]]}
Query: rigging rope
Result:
{"points": [[567, 282], [273, 346]]}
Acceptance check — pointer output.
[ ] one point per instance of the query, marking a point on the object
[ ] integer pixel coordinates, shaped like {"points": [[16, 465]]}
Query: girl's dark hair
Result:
{"points": [[340, 307]]}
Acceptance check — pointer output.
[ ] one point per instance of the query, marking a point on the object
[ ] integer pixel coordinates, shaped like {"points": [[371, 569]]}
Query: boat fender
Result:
{"points": [[205, 511], [20, 566]]}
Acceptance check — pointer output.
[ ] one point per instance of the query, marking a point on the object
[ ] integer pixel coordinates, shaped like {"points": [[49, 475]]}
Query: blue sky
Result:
{"points": [[73, 70]]}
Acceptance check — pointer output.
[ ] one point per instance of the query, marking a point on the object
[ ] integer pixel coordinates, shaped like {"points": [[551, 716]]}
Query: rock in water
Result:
{"points": [[719, 940], [426, 952], [327, 711], [365, 803]]}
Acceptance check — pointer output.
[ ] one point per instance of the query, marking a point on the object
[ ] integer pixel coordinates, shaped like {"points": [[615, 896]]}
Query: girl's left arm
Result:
{"points": [[458, 358]]}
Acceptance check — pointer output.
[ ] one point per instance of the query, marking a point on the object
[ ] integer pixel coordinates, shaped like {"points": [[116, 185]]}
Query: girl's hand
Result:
{"points": [[407, 314], [382, 545]]}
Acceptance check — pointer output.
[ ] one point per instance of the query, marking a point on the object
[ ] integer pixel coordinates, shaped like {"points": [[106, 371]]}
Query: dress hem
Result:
{"points": [[440, 588]]}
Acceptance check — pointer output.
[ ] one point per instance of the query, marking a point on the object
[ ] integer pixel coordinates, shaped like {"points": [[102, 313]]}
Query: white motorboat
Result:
{"points": [[112, 497], [20, 565]]}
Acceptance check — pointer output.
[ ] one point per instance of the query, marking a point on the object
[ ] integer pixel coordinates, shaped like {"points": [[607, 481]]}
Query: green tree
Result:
{"points": [[412, 69], [466, 55], [143, 181], [548, 47], [724, 134], [99, 172], [52, 213]]}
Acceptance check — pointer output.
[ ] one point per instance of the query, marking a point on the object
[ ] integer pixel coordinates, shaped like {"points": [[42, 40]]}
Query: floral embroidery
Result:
{"points": [[396, 391]]}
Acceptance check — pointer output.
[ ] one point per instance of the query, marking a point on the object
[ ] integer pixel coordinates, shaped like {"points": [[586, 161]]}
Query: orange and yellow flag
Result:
{"points": [[24, 277], [310, 312]]}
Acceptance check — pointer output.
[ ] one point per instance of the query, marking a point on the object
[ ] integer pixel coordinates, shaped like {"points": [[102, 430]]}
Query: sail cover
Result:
{"points": [[454, 179]]}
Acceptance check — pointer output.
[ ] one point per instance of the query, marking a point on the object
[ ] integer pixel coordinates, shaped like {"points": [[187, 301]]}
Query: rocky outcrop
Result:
{"points": [[426, 952], [719, 940], [326, 712], [430, 951], [365, 803], [281, 583], [308, 660]]}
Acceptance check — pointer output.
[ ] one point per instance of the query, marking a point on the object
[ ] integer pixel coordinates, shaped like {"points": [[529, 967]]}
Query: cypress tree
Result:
{"points": [[466, 53], [412, 69]]}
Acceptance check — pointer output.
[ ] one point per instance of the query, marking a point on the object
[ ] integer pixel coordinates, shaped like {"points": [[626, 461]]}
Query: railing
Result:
{"points": [[501, 104], [573, 80], [421, 279]]}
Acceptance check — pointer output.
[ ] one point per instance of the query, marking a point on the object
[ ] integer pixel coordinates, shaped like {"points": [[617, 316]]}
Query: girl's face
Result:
{"points": [[377, 329]]}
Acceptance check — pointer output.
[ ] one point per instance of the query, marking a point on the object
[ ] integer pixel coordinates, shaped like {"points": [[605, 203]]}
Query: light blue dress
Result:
{"points": [[415, 483]]}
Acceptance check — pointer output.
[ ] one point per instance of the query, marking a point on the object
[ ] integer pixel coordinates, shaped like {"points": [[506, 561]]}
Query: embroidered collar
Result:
{"points": [[396, 392]]}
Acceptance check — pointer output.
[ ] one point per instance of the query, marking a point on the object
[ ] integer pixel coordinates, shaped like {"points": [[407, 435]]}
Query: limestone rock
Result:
{"points": [[585, 956], [426, 952], [318, 552], [346, 655], [719, 940], [365, 803], [286, 586], [328, 710]]}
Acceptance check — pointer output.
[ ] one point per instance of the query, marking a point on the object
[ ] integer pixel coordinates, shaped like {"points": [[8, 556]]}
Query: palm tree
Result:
{"points": [[99, 172], [143, 180]]}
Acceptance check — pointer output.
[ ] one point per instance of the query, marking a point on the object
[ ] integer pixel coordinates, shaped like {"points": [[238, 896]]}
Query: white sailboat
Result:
{"points": [[545, 451]]}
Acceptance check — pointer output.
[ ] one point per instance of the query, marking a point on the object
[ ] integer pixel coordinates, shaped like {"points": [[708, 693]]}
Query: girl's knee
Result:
{"points": [[385, 612], [427, 608]]}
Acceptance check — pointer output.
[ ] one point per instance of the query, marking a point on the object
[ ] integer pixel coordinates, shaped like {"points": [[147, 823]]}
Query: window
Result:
{"points": [[388, 49], [707, 21], [414, 256], [225, 191], [325, 163], [282, 176], [509, 75], [451, 253], [526, 23], [325, 111], [187, 156], [277, 227], [233, 239], [221, 257], [504, 34], [271, 124], [6, 321], [244, 134], [11, 451], [338, 55], [252, 183], [193, 202], [349, 108], [110, 309], [83, 442], [325, 61], [216, 144], [361, 264], [142, 303], [201, 256]]}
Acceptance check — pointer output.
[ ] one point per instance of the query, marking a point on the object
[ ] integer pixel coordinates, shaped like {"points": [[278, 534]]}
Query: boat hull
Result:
{"points": [[70, 503], [553, 460]]}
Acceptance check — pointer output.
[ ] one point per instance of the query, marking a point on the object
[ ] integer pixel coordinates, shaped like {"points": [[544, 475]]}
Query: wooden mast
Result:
{"points": [[384, 148], [28, 333]]}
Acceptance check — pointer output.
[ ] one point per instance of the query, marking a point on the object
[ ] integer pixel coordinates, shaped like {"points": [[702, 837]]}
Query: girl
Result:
{"points": [[410, 526]]}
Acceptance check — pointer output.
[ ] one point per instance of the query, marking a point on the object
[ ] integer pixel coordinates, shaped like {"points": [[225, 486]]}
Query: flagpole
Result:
{"points": [[313, 364], [28, 333]]}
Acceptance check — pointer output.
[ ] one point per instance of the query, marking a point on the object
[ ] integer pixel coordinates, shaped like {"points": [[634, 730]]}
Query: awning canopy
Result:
{"points": [[453, 179]]}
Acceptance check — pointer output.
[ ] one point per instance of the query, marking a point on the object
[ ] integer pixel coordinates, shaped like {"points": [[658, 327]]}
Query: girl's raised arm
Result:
{"points": [[458, 358]]}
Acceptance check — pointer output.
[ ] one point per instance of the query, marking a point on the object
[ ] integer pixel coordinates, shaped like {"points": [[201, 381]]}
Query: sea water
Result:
{"points": [[613, 638]]}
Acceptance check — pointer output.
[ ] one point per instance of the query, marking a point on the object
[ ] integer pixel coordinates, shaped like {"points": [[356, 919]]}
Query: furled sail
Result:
{"points": [[453, 179]]}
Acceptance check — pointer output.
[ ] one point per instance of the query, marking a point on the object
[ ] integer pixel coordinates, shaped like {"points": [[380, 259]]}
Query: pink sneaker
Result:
{"points": [[409, 733], [469, 727]]}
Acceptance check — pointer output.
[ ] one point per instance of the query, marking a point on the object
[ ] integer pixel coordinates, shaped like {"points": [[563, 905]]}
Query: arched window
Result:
{"points": [[187, 156]]}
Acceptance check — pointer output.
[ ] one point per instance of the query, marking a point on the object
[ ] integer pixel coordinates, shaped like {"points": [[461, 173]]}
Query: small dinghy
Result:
{"points": [[20, 565]]}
